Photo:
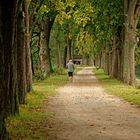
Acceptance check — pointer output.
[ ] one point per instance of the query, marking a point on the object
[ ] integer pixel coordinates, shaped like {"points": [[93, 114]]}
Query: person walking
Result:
{"points": [[70, 69]]}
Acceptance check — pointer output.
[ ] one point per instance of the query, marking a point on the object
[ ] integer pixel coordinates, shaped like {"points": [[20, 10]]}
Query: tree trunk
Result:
{"points": [[132, 13], [114, 72], [69, 46], [87, 60], [96, 61], [106, 63], [21, 59], [68, 42], [103, 60], [33, 72], [129, 59], [47, 29], [43, 54], [27, 48], [65, 56], [120, 63], [100, 59], [44, 50], [8, 63], [110, 63], [58, 54]]}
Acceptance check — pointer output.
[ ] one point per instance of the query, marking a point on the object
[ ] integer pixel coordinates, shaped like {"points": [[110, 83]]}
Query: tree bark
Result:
{"points": [[68, 39], [110, 63], [58, 53], [65, 57], [114, 72], [44, 49], [107, 63], [69, 46], [8, 62], [21, 65], [120, 64], [43, 53], [47, 29], [132, 13], [103, 60], [27, 48]]}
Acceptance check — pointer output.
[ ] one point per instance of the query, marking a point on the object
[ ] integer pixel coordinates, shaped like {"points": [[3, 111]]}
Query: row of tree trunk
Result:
{"points": [[119, 62], [15, 60], [15, 55]]}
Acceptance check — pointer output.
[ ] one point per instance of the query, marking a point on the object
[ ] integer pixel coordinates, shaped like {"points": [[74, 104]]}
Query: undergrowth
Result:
{"points": [[123, 90], [34, 119]]}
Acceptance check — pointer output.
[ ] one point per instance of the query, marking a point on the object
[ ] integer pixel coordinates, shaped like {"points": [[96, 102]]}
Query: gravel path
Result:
{"points": [[85, 112]]}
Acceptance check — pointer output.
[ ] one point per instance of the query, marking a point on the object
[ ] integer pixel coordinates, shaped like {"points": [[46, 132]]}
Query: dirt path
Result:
{"points": [[85, 112]]}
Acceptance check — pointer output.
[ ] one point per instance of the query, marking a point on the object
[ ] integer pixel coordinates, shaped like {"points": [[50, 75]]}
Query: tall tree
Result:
{"points": [[44, 49], [44, 21], [58, 50], [27, 48], [21, 65], [131, 17], [8, 62]]}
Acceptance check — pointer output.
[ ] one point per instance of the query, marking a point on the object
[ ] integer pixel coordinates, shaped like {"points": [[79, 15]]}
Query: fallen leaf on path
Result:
{"points": [[92, 125]]}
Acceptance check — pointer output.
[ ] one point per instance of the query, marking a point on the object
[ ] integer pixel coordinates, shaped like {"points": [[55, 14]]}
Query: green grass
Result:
{"points": [[119, 88], [33, 121]]}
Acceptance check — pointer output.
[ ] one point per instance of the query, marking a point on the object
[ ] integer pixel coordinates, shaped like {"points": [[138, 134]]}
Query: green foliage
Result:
{"points": [[57, 39], [37, 73], [108, 19], [61, 70], [65, 11], [137, 54], [90, 24], [34, 120], [119, 88], [47, 9], [84, 14], [85, 42], [99, 21]]}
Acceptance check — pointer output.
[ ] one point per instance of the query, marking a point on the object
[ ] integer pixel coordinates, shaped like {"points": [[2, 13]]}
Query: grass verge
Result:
{"points": [[119, 88], [33, 121]]}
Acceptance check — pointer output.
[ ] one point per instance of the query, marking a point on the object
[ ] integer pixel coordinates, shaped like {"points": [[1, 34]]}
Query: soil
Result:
{"points": [[84, 111]]}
